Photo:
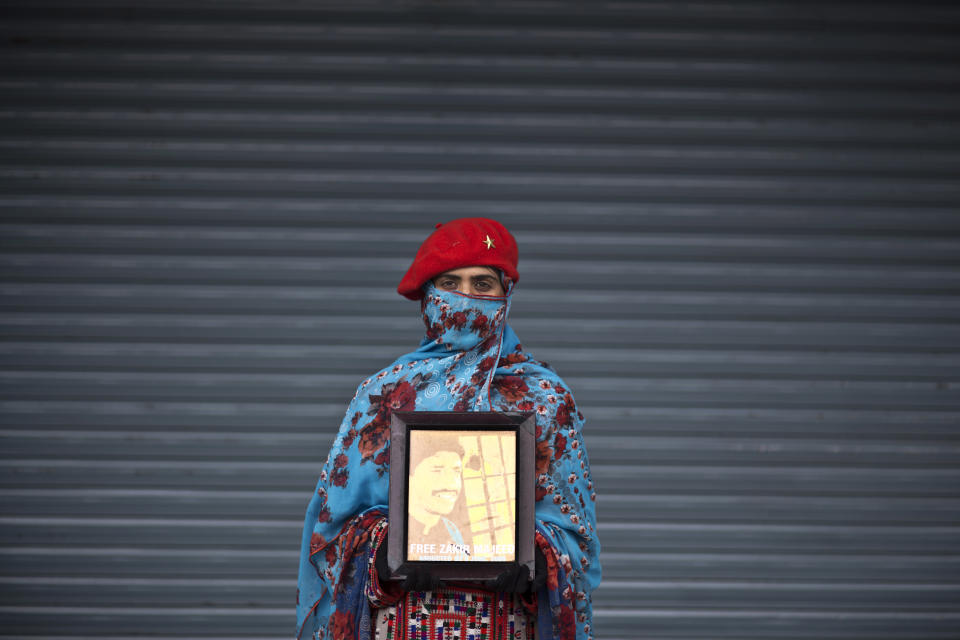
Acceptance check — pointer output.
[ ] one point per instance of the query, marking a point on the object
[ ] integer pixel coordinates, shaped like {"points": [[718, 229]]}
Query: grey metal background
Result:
{"points": [[738, 227]]}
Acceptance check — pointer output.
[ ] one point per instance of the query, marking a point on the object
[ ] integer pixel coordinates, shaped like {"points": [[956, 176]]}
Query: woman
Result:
{"points": [[470, 360]]}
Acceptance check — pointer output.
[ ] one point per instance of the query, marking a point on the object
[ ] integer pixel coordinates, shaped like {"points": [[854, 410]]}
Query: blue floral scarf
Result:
{"points": [[469, 360]]}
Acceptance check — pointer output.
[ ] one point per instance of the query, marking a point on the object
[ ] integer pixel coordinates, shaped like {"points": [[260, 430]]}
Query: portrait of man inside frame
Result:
{"points": [[462, 496]]}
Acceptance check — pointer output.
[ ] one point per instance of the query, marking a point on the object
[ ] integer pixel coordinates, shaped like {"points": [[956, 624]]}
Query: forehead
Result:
{"points": [[470, 272]]}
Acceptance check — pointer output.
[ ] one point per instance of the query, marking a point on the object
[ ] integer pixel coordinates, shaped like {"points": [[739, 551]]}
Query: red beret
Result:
{"points": [[465, 242]]}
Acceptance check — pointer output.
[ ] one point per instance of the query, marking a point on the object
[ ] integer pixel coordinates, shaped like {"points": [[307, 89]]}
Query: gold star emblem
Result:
{"points": [[489, 243]]}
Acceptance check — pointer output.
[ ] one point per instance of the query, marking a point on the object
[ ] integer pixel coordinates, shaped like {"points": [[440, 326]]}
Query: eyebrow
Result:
{"points": [[485, 276]]}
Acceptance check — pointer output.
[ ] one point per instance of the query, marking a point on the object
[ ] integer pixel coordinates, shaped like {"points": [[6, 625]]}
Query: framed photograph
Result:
{"points": [[461, 493]]}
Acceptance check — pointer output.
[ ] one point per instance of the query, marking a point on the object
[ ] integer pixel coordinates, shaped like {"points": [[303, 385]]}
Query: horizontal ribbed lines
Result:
{"points": [[739, 247], [284, 123], [757, 160]]}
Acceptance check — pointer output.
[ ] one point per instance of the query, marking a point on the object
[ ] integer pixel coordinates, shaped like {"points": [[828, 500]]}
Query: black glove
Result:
{"points": [[419, 579], [380, 561], [540, 578], [515, 579]]}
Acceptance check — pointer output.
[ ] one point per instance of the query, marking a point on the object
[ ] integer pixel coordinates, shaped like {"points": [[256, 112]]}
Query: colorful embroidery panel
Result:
{"points": [[454, 614]]}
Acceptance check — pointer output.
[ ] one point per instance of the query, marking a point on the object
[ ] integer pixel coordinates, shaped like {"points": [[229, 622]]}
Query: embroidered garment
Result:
{"points": [[470, 360], [455, 613]]}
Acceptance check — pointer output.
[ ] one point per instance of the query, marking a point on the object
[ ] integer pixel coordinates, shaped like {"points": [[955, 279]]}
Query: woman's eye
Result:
{"points": [[482, 285], [448, 284]]}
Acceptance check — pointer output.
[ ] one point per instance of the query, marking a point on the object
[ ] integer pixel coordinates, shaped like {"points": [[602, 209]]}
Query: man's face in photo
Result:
{"points": [[435, 483]]}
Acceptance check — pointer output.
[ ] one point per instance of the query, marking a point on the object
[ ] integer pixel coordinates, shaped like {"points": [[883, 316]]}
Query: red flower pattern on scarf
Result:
{"points": [[372, 438], [564, 417], [403, 397], [340, 477], [483, 369], [464, 403], [456, 320], [317, 542], [512, 388], [544, 455], [559, 444], [342, 625]]}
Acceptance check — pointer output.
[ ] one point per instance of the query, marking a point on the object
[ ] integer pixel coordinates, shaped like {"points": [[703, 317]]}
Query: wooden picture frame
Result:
{"points": [[467, 512]]}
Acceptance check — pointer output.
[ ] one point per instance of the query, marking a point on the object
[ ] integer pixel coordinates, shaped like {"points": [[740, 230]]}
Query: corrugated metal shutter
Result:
{"points": [[738, 224]]}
